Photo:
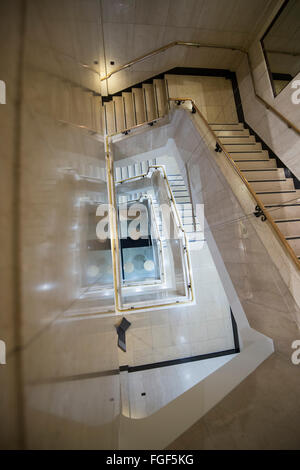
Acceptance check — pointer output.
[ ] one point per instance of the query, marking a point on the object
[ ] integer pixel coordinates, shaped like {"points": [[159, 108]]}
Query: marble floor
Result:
{"points": [[261, 413], [201, 328], [179, 332], [145, 392]]}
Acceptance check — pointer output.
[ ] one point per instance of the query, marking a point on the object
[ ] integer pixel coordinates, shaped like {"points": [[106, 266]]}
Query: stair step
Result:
{"points": [[286, 212], [227, 127], [291, 228], [186, 220], [120, 115], [267, 186], [291, 197], [181, 199], [260, 165], [139, 105], [233, 133], [124, 172], [160, 96], [246, 140], [144, 167], [185, 212], [271, 175], [189, 228], [129, 109], [177, 184], [175, 178], [180, 192], [150, 102], [241, 156], [118, 175], [131, 171], [110, 117], [76, 107], [239, 148], [97, 114], [184, 208]]}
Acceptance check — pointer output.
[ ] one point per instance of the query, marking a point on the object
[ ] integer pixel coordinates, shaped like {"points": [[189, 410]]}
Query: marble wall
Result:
{"points": [[263, 278], [132, 28], [213, 95], [283, 141], [10, 406], [61, 386]]}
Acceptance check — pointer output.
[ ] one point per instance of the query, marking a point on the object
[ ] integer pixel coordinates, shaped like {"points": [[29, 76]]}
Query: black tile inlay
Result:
{"points": [[184, 360], [121, 331]]}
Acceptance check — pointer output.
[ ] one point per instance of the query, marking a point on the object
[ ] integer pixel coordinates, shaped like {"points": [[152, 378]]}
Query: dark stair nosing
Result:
{"points": [[281, 205], [266, 181], [241, 161], [281, 221], [260, 169], [276, 192], [245, 151], [240, 143]]}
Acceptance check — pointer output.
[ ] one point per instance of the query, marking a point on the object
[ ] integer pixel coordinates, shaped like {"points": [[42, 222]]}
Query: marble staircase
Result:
{"points": [[276, 190]]}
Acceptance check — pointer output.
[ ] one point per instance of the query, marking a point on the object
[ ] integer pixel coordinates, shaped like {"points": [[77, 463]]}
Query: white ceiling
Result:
{"points": [[132, 28]]}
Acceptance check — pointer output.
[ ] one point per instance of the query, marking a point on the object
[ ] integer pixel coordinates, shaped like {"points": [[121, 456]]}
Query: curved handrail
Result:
{"points": [[164, 48], [246, 183], [115, 242], [81, 126], [213, 46]]}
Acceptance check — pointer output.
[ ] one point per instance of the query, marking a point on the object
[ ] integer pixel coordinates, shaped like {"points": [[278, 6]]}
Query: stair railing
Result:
{"points": [[115, 240], [260, 209], [154, 52]]}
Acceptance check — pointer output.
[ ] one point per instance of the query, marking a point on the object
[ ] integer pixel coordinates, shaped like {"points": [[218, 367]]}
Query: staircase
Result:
{"points": [[181, 195], [270, 183], [142, 104], [149, 101]]}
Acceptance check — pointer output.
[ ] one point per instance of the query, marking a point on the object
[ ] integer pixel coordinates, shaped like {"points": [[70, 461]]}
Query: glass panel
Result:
{"points": [[152, 246], [281, 45]]}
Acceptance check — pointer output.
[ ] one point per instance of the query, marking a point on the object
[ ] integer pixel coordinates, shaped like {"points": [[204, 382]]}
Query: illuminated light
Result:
{"points": [[45, 287], [128, 268], [148, 265]]}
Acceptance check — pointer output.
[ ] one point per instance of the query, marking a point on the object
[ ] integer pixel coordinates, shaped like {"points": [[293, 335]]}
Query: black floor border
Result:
{"points": [[209, 72], [184, 360], [235, 333]]}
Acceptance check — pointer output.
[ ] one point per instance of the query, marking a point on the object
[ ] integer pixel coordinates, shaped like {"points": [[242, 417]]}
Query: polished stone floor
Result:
{"points": [[263, 412]]}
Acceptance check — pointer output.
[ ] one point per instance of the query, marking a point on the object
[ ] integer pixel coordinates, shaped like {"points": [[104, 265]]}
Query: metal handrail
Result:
{"points": [[115, 241], [81, 126], [246, 183], [164, 48], [205, 46]]}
